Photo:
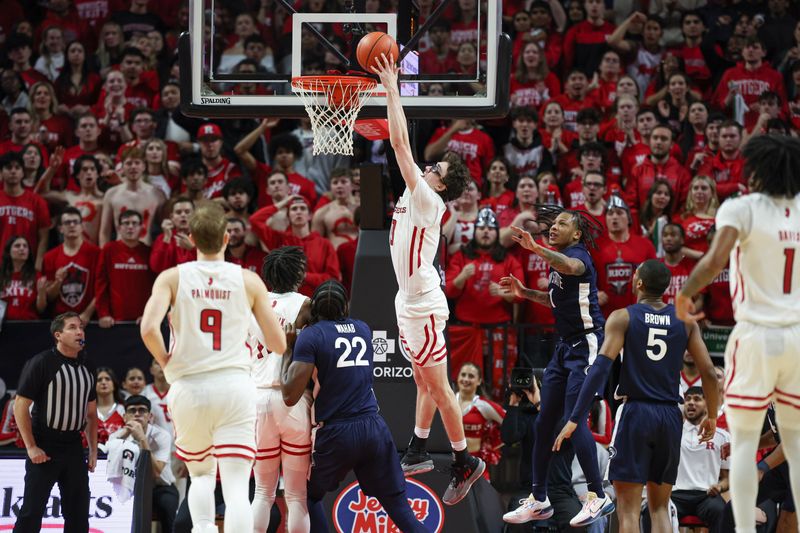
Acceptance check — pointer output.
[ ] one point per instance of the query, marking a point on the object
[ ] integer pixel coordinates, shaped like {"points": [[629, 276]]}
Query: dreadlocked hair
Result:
{"points": [[284, 269], [774, 163], [329, 302], [588, 225]]}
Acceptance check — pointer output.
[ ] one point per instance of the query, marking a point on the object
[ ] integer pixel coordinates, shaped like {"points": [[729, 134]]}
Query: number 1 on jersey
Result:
{"points": [[211, 322], [788, 267]]}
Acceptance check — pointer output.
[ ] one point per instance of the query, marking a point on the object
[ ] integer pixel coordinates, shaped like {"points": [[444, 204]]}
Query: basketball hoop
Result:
{"points": [[333, 118]]}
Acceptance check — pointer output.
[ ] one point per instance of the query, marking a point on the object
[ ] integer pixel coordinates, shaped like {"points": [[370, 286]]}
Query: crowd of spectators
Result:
{"points": [[634, 111]]}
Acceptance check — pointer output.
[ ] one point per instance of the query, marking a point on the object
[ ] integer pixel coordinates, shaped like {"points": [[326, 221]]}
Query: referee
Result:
{"points": [[59, 384]]}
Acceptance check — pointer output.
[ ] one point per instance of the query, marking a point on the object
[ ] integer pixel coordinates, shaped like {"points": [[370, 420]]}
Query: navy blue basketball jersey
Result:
{"points": [[653, 355], [574, 298], [342, 353]]}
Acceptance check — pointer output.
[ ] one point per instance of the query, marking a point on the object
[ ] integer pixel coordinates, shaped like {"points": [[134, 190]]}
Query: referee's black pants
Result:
{"points": [[67, 467]]}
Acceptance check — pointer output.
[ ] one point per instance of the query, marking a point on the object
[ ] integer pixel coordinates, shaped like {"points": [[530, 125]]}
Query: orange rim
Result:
{"points": [[321, 83]]}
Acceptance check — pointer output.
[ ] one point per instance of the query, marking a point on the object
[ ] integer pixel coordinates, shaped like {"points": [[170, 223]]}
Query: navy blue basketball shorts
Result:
{"points": [[646, 446], [363, 445]]}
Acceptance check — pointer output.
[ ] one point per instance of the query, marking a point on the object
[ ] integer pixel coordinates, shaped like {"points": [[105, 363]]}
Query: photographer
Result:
{"points": [[148, 436]]}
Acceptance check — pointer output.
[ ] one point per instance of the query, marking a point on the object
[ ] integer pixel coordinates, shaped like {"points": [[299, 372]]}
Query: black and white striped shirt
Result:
{"points": [[61, 388]]}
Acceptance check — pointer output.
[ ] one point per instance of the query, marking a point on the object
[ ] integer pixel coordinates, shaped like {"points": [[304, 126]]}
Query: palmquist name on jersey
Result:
{"points": [[211, 294]]}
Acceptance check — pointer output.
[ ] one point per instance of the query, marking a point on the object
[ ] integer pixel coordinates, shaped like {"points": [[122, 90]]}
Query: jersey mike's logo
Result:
{"points": [[355, 512]]}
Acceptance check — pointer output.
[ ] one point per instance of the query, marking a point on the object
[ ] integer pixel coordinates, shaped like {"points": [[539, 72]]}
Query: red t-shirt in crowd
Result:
{"points": [[474, 303], [322, 263], [474, 146], [605, 94], [59, 132], [499, 204], [252, 259], [571, 108], [643, 177], [696, 230], [23, 215], [615, 263], [727, 173], [298, 184], [218, 176], [77, 290], [750, 84], [679, 275], [431, 63], [346, 252], [534, 93], [124, 280], [167, 255], [20, 298], [717, 304], [537, 276]]}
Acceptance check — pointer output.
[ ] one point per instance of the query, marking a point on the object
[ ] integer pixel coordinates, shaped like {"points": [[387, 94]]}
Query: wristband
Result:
{"points": [[763, 466]]}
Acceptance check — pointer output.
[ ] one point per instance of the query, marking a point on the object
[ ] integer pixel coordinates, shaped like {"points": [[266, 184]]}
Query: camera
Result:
{"points": [[522, 378]]}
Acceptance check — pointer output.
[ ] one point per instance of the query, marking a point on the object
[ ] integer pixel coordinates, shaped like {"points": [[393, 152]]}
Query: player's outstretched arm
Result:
{"points": [[156, 309], [398, 126], [262, 311], [708, 377], [706, 270], [569, 266], [616, 327]]}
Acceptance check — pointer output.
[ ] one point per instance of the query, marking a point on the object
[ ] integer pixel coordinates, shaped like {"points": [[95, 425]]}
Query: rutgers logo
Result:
{"points": [[355, 512], [74, 287]]}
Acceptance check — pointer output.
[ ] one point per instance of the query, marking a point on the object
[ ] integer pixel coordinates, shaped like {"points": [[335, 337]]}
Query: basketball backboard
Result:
{"points": [[215, 83]]}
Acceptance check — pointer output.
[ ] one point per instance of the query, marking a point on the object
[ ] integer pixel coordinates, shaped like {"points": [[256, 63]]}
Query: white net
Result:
{"points": [[332, 104]]}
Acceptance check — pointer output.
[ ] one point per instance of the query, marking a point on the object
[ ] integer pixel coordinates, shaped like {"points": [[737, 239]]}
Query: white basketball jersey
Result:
{"points": [[414, 238], [209, 320], [765, 263], [266, 370]]}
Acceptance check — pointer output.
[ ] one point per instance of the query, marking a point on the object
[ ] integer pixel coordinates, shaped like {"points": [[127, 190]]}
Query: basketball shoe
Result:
{"points": [[530, 509], [462, 477], [594, 509], [415, 460]]}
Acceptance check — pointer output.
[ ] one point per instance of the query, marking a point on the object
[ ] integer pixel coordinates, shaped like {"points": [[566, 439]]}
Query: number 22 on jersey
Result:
{"points": [[357, 346]]}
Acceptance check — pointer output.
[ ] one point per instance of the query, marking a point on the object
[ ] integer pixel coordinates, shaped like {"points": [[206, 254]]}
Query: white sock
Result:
{"points": [[459, 445], [294, 491], [422, 433], [267, 473], [234, 474], [745, 429], [201, 502]]}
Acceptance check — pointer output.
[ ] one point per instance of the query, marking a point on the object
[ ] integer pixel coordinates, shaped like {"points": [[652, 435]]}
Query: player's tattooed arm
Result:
{"points": [[515, 287], [562, 264]]}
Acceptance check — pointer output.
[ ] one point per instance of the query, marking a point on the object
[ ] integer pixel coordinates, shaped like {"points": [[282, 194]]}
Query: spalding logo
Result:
{"points": [[355, 512]]}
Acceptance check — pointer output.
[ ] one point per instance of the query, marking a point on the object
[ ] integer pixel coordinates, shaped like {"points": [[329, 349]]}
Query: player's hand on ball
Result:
{"points": [[512, 284], [524, 239], [566, 433], [386, 70], [707, 429]]}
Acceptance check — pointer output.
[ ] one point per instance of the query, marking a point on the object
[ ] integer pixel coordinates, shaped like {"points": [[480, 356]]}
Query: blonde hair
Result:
{"points": [[53, 99], [208, 227], [713, 202]]}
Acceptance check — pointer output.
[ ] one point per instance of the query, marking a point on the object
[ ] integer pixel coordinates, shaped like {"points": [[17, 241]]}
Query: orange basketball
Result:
{"points": [[372, 45]]}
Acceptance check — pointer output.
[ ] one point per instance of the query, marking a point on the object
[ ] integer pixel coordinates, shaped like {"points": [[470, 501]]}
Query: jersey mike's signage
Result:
{"points": [[355, 512], [106, 513]]}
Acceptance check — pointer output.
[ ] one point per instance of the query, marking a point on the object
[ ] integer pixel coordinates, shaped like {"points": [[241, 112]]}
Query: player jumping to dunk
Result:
{"points": [[420, 303]]}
